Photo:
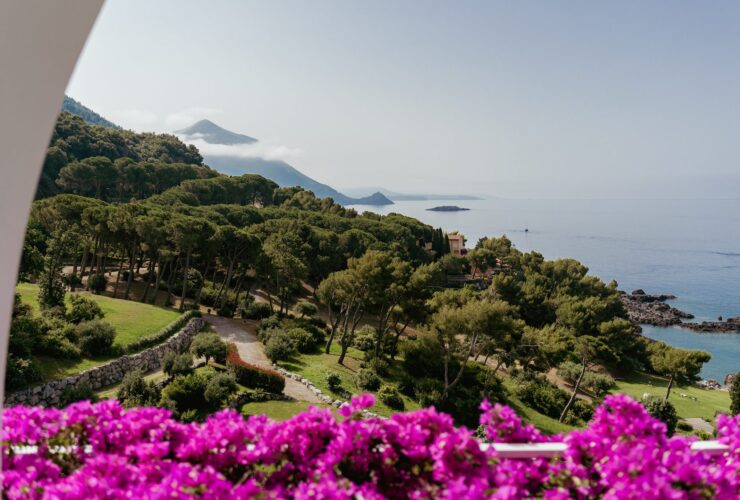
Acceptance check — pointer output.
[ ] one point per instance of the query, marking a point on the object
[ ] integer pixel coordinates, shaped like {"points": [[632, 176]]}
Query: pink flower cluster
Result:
{"points": [[144, 453]]}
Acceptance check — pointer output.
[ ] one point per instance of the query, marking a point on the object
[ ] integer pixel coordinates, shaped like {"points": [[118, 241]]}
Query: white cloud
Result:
{"points": [[254, 150], [188, 116], [134, 118]]}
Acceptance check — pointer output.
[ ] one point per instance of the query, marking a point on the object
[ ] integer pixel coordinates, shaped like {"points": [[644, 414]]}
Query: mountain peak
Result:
{"points": [[214, 134]]}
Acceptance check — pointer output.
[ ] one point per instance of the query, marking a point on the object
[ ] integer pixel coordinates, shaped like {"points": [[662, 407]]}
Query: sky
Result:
{"points": [[507, 99]]}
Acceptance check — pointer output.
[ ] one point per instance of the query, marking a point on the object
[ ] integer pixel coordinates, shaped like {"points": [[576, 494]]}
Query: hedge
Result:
{"points": [[163, 334], [252, 376]]}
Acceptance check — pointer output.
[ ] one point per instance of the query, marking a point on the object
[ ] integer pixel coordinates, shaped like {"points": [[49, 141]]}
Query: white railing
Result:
{"points": [[504, 450]]}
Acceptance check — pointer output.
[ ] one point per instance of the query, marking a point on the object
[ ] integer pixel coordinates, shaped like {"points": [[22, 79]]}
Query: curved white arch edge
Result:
{"points": [[40, 41]]}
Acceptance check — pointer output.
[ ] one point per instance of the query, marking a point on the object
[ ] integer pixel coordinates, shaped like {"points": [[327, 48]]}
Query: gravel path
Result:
{"points": [[242, 333]]}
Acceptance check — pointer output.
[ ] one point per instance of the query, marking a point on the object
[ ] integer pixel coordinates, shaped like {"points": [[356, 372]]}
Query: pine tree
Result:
{"points": [[735, 395]]}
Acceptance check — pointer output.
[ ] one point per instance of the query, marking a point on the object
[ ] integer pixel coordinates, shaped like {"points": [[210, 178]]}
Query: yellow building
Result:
{"points": [[457, 244]]}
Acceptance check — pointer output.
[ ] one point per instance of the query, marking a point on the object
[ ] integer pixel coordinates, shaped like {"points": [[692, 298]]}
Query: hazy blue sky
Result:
{"points": [[541, 99]]}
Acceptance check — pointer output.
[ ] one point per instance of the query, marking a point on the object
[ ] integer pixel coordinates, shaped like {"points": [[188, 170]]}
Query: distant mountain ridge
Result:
{"points": [[284, 174], [213, 134], [76, 108]]}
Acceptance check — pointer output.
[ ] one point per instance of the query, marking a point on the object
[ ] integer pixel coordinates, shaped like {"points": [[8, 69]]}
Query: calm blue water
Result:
{"points": [[690, 248]]}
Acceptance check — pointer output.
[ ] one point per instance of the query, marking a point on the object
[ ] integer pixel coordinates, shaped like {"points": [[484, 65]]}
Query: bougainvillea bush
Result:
{"points": [[144, 453]]}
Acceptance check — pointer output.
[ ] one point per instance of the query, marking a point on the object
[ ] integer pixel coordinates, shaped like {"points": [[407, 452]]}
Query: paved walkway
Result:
{"points": [[251, 350], [701, 425]]}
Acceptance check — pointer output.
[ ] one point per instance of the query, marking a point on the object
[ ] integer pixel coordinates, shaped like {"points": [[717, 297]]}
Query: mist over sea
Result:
{"points": [[689, 248]]}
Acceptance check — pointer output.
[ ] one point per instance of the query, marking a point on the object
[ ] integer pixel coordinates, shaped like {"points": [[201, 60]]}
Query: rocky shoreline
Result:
{"points": [[651, 309]]}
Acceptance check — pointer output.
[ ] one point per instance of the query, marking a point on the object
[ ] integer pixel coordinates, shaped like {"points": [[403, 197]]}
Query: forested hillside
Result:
{"points": [[362, 300]]}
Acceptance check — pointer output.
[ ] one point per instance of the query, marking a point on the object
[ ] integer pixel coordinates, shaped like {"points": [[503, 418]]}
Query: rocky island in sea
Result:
{"points": [[448, 208], [651, 309]]}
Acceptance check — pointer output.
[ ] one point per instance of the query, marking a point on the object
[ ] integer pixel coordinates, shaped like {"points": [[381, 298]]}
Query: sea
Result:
{"points": [[688, 248]]}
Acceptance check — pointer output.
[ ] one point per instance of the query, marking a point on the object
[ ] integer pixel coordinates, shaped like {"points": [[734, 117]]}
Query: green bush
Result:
{"points": [[21, 372], [391, 397], [219, 388], [367, 380], [536, 391], [600, 384], [185, 392], [302, 340], [225, 311], [162, 335], [58, 338], [83, 309], [95, 337], [279, 345], [735, 395], [72, 394], [423, 357], [407, 386], [334, 382], [257, 310], [379, 365], [663, 411], [135, 391], [210, 346], [306, 308], [365, 339], [97, 283], [177, 364], [251, 376], [684, 426]]}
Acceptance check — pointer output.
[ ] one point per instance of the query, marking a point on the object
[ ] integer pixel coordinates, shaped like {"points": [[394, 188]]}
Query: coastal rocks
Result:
{"points": [[730, 325], [649, 309], [110, 373]]}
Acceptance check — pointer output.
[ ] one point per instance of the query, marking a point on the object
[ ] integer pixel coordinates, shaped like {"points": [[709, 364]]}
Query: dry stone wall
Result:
{"points": [[110, 373]]}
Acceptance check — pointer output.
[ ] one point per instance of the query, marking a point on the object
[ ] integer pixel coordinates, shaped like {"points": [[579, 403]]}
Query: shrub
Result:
{"points": [[72, 394], [95, 337], [177, 364], [600, 384], [266, 324], [735, 395], [21, 372], [58, 339], [97, 283], [226, 311], [219, 388], [663, 411], [51, 291], [684, 426], [163, 334], [334, 382], [279, 345], [306, 308], [209, 345], [365, 338], [135, 391], [389, 395], [83, 309], [407, 386], [302, 340], [537, 392], [185, 392], [257, 310], [379, 365], [367, 380], [423, 357], [251, 376]]}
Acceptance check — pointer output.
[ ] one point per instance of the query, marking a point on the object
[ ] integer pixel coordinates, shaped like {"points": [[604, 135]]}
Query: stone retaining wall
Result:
{"points": [[110, 373], [338, 403]]}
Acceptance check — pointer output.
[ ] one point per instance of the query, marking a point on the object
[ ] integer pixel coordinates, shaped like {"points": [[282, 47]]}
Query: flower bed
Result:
{"points": [[144, 453]]}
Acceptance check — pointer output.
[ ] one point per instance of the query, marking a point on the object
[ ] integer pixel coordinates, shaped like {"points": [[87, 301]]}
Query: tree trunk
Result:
{"points": [[171, 281], [118, 279], [185, 280], [575, 392], [130, 271], [149, 279], [160, 269], [460, 371], [668, 390]]}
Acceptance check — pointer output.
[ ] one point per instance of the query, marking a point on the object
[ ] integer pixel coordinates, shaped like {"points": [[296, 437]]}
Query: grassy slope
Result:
{"points": [[278, 410], [706, 405], [132, 320], [316, 367]]}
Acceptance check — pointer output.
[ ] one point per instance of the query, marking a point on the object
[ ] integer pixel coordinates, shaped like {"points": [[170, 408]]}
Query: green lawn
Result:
{"points": [[132, 320], [277, 410], [316, 367], [706, 405]]}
